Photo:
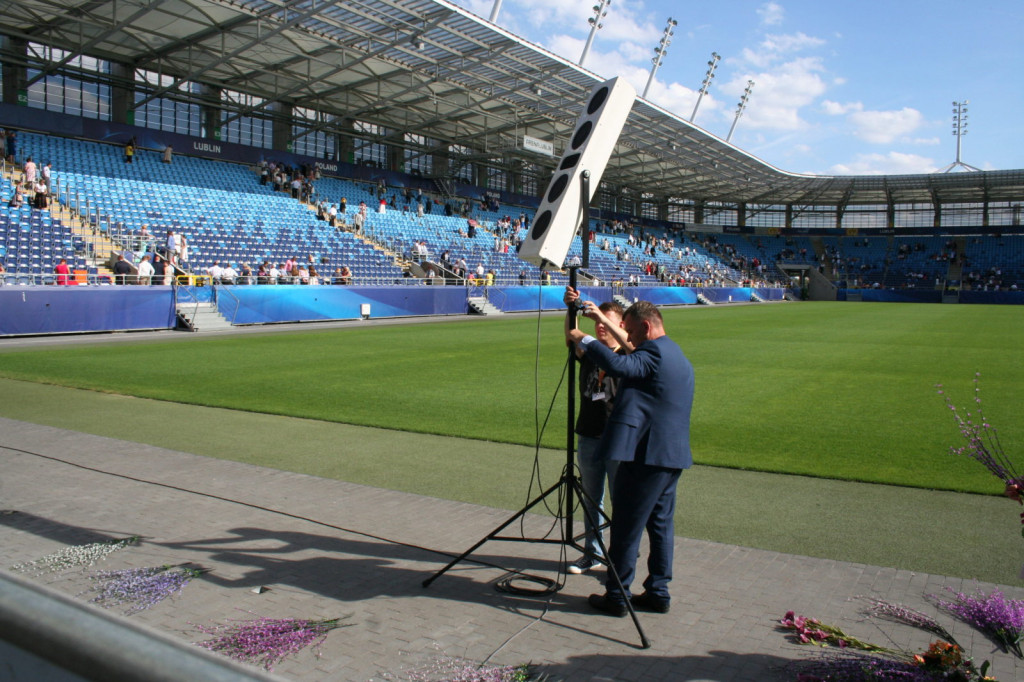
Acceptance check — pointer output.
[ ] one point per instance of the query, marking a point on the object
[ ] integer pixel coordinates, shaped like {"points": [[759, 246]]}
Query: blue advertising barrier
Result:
{"points": [[263, 304], [68, 309], [993, 297], [892, 295]]}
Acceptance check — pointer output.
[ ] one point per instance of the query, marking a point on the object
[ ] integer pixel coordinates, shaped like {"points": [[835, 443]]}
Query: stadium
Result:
{"points": [[365, 393]]}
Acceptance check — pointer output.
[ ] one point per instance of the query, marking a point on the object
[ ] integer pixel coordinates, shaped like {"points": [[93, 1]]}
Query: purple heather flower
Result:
{"points": [[900, 613], [999, 618], [266, 641], [982, 439], [140, 588]]}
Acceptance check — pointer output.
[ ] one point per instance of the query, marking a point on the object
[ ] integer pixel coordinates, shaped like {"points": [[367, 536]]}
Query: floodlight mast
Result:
{"points": [[708, 77], [600, 12], [959, 130], [739, 109], [660, 51]]}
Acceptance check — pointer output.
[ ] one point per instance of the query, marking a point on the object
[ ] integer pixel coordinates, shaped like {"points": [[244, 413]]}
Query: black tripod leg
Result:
{"points": [[589, 508], [493, 533]]}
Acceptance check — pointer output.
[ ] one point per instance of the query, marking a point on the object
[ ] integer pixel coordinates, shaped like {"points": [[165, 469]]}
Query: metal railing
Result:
{"points": [[221, 289], [185, 297], [49, 634]]}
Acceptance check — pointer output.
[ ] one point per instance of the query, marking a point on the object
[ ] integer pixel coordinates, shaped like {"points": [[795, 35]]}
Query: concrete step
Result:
{"points": [[482, 306], [203, 317]]}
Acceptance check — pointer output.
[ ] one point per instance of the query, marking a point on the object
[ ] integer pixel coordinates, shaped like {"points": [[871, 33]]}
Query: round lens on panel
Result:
{"points": [[540, 225], [597, 101], [582, 134], [557, 188]]}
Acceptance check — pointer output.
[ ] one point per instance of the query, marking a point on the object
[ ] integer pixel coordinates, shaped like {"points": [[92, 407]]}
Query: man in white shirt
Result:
{"points": [[215, 271], [145, 270], [228, 274]]}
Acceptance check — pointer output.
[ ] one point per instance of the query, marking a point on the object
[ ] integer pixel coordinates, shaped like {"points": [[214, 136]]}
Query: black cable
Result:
{"points": [[255, 506], [508, 586]]}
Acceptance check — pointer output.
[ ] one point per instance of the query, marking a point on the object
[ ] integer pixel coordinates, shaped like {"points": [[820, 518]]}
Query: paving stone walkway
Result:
{"points": [[325, 548]]}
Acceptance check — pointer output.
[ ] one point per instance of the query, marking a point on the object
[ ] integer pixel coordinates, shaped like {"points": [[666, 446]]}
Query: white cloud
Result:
{"points": [[778, 94], [885, 127], [570, 18], [789, 43], [570, 47], [771, 13], [891, 163], [634, 52], [837, 109], [680, 99], [784, 83], [481, 8]]}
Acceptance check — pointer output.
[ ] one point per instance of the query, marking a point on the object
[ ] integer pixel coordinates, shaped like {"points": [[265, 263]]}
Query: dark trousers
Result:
{"points": [[643, 497]]}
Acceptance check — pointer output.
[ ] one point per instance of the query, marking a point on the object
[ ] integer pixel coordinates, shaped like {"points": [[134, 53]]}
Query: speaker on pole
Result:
{"points": [[589, 149]]}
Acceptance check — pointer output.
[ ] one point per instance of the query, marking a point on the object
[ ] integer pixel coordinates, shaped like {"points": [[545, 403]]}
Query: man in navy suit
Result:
{"points": [[648, 433]]}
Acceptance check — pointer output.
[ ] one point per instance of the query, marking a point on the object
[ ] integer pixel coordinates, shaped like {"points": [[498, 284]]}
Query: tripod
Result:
{"points": [[568, 487]]}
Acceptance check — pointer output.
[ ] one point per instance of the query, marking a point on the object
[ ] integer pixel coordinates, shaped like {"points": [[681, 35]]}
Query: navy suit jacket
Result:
{"points": [[650, 423]]}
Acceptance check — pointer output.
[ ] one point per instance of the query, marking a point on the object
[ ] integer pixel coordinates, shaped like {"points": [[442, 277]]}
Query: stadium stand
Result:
{"points": [[229, 217]]}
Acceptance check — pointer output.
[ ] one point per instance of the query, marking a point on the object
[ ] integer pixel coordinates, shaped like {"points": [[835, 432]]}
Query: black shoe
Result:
{"points": [[649, 602], [601, 602]]}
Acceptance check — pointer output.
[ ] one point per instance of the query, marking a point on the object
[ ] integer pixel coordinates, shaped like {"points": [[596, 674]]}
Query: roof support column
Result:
{"points": [[515, 176], [346, 146], [122, 93], [396, 158], [13, 53], [210, 111], [741, 214], [441, 163], [281, 126]]}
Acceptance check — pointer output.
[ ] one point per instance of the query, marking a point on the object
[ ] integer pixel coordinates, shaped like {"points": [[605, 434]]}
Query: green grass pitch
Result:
{"points": [[844, 391]]}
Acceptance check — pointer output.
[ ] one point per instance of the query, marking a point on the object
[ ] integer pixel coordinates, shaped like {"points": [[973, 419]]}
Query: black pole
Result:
{"points": [[570, 417]]}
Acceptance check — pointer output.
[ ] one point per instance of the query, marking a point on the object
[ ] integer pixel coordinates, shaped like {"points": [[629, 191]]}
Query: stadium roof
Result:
{"points": [[430, 68]]}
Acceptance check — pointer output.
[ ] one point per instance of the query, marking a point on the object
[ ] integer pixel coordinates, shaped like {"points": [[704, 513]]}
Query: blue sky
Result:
{"points": [[841, 86]]}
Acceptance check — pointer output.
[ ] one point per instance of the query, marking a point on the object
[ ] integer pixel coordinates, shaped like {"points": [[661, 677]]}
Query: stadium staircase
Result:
{"points": [[955, 272], [481, 306], [87, 250], [99, 250], [201, 317], [819, 250]]}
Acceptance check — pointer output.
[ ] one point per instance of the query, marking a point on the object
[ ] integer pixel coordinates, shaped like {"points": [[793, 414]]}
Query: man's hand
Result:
{"points": [[570, 296], [592, 311]]}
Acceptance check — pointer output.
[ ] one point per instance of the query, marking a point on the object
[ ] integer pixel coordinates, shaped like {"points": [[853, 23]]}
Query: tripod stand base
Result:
{"points": [[566, 539]]}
